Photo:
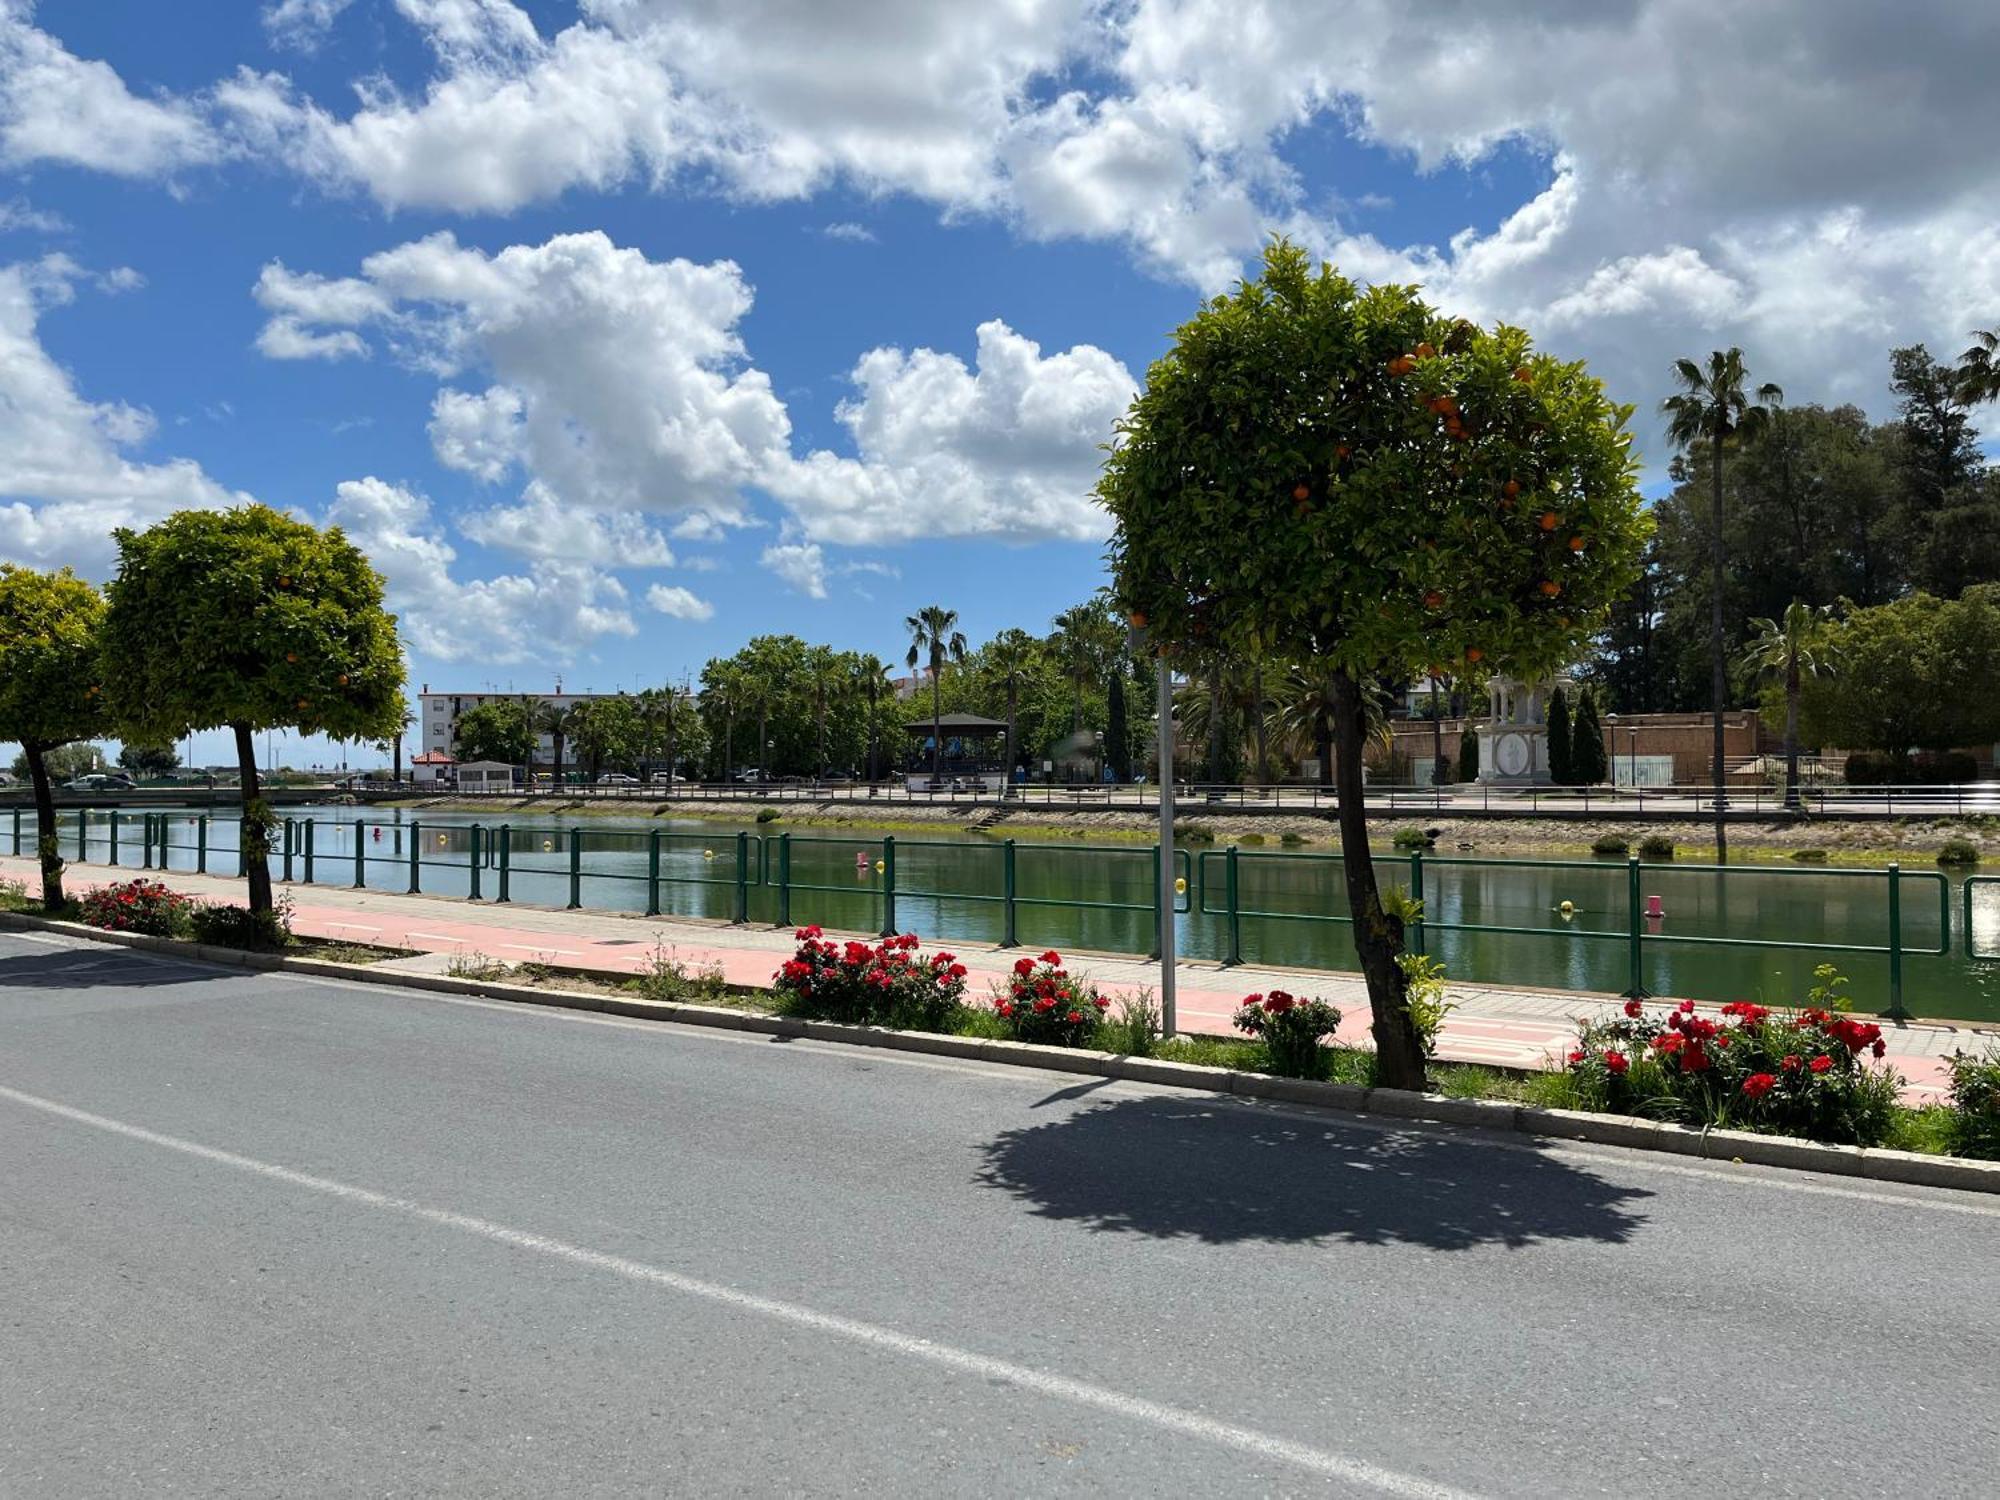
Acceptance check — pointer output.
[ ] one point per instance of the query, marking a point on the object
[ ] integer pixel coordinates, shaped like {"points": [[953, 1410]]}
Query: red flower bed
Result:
{"points": [[1810, 1072], [1293, 1030], [886, 983], [143, 906], [1043, 1002]]}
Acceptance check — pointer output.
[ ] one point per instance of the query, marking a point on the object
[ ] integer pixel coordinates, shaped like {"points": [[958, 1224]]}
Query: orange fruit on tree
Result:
{"points": [[1136, 619], [1511, 488], [1402, 364], [1473, 653], [343, 679], [1576, 544], [1302, 492], [1550, 588], [1342, 450], [302, 703], [1425, 351], [1433, 599], [1447, 406], [291, 656], [1521, 374], [1549, 520]]}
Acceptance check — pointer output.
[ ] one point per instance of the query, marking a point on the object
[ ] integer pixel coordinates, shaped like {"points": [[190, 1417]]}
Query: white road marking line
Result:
{"points": [[1174, 1419], [435, 937], [525, 948], [354, 926]]}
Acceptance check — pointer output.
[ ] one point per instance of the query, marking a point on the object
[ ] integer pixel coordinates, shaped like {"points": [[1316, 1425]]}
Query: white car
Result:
{"points": [[617, 778]]}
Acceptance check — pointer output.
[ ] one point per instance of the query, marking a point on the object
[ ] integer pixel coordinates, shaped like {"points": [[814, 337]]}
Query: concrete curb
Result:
{"points": [[1733, 1146]]}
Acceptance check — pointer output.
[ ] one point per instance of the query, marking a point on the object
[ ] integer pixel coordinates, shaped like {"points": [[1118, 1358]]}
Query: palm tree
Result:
{"points": [[1712, 407], [396, 744], [1010, 653], [1792, 649], [553, 720], [827, 674], [934, 632], [1085, 641], [758, 690], [1979, 368], [869, 677], [1302, 711], [725, 688]]}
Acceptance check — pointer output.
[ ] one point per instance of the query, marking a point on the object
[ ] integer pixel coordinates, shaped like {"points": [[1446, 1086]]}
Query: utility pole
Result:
{"points": [[1164, 691]]}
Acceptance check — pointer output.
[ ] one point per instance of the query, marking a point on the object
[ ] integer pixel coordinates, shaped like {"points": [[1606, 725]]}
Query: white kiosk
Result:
{"points": [[1514, 741]]}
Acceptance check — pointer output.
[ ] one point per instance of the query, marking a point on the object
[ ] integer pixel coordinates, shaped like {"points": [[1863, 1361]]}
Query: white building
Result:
{"points": [[437, 722]]}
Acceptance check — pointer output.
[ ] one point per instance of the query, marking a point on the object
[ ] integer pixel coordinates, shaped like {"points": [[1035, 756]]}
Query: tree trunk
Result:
{"points": [[1013, 692], [556, 750], [1719, 684], [256, 834], [671, 742], [1437, 737], [1792, 732], [399, 758], [1215, 724], [47, 845], [1378, 936], [729, 745], [763, 744], [821, 774], [1257, 692], [937, 738]]}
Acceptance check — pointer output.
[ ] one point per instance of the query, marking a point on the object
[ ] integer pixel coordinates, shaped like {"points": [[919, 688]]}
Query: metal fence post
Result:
{"points": [[1635, 987], [652, 872], [1159, 919], [201, 844], [1008, 936], [17, 831], [416, 856], [784, 880], [146, 841], [82, 835], [1895, 1012], [575, 868], [1231, 894], [1415, 932], [360, 856], [473, 857], [287, 837], [309, 851], [506, 852], [112, 857], [888, 885], [743, 876]]}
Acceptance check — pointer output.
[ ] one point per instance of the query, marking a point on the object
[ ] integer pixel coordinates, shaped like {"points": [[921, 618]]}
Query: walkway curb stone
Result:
{"points": [[1732, 1146]]}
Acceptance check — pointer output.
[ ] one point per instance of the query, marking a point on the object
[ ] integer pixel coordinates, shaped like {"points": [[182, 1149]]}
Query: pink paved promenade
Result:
{"points": [[1498, 1025]]}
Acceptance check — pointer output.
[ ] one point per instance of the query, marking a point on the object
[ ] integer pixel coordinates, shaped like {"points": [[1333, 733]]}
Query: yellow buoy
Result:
{"points": [[880, 867], [708, 854], [1567, 908], [442, 841], [1180, 885], [547, 846]]}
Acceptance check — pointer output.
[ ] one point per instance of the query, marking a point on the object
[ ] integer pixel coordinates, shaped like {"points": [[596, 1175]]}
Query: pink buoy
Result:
{"points": [[861, 861], [1653, 908]]}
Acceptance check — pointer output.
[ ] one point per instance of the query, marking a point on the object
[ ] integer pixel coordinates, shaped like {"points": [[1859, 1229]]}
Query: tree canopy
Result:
{"points": [[1920, 673]]}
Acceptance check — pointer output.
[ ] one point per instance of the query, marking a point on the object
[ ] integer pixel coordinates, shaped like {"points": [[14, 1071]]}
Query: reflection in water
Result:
{"points": [[1720, 935]]}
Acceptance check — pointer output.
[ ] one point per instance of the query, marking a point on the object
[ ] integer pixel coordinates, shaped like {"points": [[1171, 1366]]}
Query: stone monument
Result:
{"points": [[1514, 740]]}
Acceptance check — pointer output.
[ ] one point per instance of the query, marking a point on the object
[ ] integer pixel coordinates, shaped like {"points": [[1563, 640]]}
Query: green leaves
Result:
{"points": [[249, 617], [51, 689], [1353, 477]]}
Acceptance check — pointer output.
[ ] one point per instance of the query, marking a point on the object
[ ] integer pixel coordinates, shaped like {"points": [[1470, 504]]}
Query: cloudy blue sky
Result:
{"points": [[621, 330]]}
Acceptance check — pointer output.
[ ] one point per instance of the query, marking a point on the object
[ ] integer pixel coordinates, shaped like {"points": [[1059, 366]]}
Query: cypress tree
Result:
{"points": [[1560, 771], [1587, 763], [1468, 754]]}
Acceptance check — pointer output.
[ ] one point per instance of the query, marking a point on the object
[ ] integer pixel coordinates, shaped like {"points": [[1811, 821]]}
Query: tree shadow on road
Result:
{"points": [[82, 969], [1223, 1174]]}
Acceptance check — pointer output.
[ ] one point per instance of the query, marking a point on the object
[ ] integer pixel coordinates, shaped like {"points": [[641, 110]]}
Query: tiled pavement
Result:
{"points": [[1509, 1027]]}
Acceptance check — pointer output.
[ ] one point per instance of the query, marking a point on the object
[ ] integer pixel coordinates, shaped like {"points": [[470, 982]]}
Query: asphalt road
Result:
{"points": [[272, 1236]]}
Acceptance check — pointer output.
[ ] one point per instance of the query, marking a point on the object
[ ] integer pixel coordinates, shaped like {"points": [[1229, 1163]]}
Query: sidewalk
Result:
{"points": [[1502, 1026]]}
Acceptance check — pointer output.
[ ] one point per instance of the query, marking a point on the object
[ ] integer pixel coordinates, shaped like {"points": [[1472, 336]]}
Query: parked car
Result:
{"points": [[749, 773], [100, 781], [617, 778], [661, 778]]}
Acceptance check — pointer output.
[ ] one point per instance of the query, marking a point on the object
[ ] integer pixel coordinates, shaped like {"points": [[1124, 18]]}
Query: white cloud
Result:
{"points": [[671, 599], [557, 610], [1009, 448], [65, 481], [301, 25], [57, 107], [620, 385], [298, 301], [17, 215], [858, 234], [541, 526], [800, 564]]}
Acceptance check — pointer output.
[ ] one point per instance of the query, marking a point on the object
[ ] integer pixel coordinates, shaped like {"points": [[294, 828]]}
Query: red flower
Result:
{"points": [[1694, 1060], [1759, 1084], [1687, 1007], [1075, 1016], [1044, 1005], [1250, 1001], [1100, 1002], [1616, 1063], [1052, 957], [958, 971], [1793, 1062], [1878, 1046], [1577, 1057], [1004, 1008], [1634, 1009], [806, 933], [1278, 1003], [1024, 966], [1821, 1063]]}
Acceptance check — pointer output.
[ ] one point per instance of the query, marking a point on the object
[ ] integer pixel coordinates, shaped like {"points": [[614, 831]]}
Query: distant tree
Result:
{"points": [[1947, 511], [1979, 368], [149, 760], [553, 720], [65, 762], [1348, 476], [502, 730], [1918, 674], [1561, 767], [1588, 764], [1790, 650], [1711, 411], [1010, 654], [249, 620], [51, 691], [934, 636]]}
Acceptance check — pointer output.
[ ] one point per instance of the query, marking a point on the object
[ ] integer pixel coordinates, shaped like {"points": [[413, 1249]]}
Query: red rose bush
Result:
{"points": [[886, 983], [1293, 1029], [1043, 1002], [142, 906]]}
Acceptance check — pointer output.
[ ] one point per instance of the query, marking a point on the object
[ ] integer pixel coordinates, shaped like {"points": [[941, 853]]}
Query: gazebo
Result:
{"points": [[974, 759]]}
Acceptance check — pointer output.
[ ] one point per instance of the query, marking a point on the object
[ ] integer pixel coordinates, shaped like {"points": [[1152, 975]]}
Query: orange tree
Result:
{"points": [[49, 693], [1343, 475], [249, 620]]}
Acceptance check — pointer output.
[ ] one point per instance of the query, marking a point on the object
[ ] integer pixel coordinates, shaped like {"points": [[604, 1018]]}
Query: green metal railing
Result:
{"points": [[1216, 883]]}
